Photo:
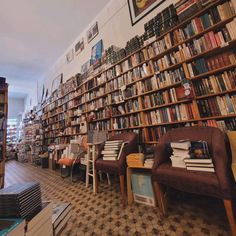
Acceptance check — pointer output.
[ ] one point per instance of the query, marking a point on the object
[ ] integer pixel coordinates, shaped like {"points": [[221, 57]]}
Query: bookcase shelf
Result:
{"points": [[119, 92]]}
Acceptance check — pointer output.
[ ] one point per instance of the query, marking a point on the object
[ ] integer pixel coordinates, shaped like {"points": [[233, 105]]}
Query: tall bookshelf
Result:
{"points": [[144, 92], [3, 127]]}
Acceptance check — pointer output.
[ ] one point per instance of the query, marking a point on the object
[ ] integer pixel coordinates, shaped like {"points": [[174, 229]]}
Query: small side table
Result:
{"points": [[130, 170]]}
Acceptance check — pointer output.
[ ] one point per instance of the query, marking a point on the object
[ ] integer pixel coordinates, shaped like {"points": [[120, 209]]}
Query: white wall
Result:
{"points": [[15, 106], [114, 29]]}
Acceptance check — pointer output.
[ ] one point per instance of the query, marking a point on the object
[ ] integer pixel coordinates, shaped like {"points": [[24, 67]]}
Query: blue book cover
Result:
{"points": [[142, 184]]}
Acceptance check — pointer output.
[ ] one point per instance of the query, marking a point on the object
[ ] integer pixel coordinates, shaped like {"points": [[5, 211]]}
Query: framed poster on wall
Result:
{"points": [[140, 8], [92, 32]]}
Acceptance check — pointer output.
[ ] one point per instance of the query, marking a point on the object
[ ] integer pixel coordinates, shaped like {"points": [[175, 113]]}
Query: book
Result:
{"points": [[181, 144], [60, 216], [199, 150], [197, 161], [205, 169]]}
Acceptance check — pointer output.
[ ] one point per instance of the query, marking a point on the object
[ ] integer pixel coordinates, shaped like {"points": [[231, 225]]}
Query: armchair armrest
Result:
{"points": [[161, 155], [222, 163]]}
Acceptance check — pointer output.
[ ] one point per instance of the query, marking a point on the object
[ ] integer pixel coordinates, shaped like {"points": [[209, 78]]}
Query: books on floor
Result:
{"points": [[20, 200], [61, 215], [112, 150]]}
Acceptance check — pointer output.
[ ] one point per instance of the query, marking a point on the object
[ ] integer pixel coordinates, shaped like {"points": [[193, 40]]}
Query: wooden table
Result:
{"points": [[130, 170]]}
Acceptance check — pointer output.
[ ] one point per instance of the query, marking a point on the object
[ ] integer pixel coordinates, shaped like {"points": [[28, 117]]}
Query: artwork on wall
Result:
{"points": [[92, 32], [96, 53], [140, 8], [85, 67], [79, 47], [56, 82], [70, 56]]}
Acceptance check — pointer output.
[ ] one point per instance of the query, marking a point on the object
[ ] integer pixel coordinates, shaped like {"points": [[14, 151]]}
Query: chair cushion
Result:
{"points": [[107, 166], [66, 161], [198, 182]]}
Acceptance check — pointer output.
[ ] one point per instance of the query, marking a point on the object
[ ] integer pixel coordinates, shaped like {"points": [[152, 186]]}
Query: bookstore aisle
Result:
{"points": [[103, 214]]}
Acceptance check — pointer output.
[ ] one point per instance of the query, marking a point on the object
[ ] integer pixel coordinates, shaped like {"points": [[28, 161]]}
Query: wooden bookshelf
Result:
{"points": [[3, 130], [154, 75]]}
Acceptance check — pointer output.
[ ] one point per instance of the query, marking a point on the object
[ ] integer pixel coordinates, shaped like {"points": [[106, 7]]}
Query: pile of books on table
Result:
{"points": [[193, 155], [112, 150]]}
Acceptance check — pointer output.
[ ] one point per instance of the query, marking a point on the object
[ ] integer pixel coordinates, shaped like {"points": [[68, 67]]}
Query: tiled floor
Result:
{"points": [[103, 214]]}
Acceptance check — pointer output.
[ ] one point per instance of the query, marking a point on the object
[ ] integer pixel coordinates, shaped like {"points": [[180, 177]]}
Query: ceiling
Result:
{"points": [[34, 33]]}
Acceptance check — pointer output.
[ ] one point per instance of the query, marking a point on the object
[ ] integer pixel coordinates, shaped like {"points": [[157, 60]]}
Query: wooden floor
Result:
{"points": [[103, 214]]}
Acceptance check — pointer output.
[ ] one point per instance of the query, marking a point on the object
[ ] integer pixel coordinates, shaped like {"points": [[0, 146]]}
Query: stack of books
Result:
{"points": [[181, 151], [135, 160], [112, 150], [149, 162], [60, 217], [200, 159], [20, 200]]}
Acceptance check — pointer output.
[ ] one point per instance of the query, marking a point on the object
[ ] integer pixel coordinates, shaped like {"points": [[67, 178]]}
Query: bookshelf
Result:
{"points": [[3, 127], [143, 92]]}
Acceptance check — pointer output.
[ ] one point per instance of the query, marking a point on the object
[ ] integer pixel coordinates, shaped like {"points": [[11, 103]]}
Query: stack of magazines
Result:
{"points": [[20, 200]]}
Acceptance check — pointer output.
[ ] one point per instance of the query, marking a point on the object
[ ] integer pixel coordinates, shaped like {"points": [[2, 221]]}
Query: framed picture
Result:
{"points": [[92, 32], [96, 53], [56, 83], [140, 8], [79, 47], [70, 56], [85, 67]]}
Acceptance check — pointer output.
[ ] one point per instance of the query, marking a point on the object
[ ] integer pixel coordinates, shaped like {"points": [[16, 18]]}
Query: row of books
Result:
{"points": [[224, 125], [216, 83], [196, 25], [163, 97], [203, 65], [127, 121], [174, 113], [101, 114], [97, 104], [217, 106], [100, 125], [126, 107]]}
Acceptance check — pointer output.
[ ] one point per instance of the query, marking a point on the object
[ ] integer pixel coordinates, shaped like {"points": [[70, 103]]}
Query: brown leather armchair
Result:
{"points": [[219, 184], [119, 166]]}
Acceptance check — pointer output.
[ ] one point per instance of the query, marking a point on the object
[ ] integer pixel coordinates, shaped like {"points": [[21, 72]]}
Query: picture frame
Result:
{"points": [[96, 53], [79, 47], [85, 67], [56, 83], [140, 8], [70, 56], [92, 32]]}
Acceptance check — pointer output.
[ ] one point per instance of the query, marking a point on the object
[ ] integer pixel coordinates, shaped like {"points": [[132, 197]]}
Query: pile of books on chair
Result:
{"points": [[181, 150], [200, 158], [193, 155], [112, 150]]}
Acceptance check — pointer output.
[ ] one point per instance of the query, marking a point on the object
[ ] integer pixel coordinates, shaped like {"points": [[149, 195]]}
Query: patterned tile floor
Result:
{"points": [[103, 214]]}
